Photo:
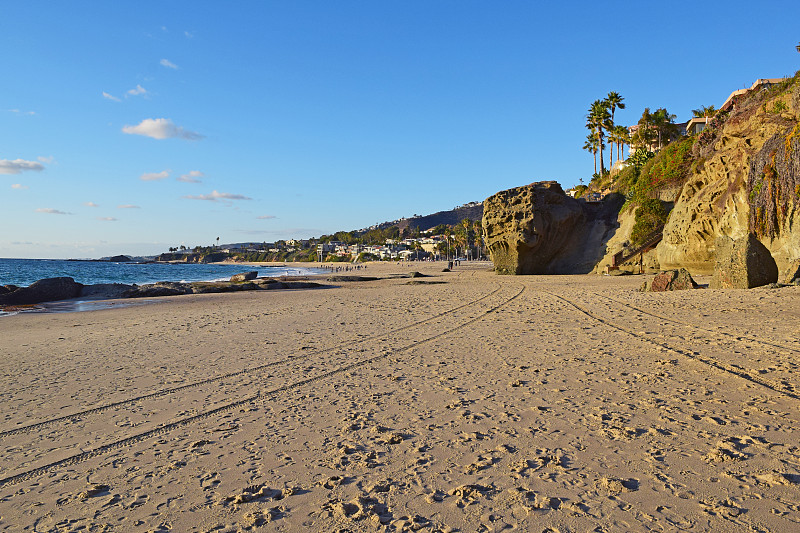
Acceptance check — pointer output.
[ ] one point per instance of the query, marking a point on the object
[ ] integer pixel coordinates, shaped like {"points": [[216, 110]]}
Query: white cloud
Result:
{"points": [[107, 219], [192, 177], [110, 97], [167, 63], [128, 206], [154, 176], [161, 128], [19, 112], [188, 34], [49, 160], [216, 195], [137, 90], [51, 211], [19, 186], [90, 204], [18, 165], [266, 217]]}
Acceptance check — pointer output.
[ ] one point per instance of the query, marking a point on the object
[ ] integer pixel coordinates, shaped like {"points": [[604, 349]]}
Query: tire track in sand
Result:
{"points": [[695, 356], [164, 392], [259, 396]]}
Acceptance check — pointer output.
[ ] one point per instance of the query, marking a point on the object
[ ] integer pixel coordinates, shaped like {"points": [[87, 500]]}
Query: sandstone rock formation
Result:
{"points": [[44, 290], [537, 229], [671, 280], [792, 272], [738, 164], [743, 264]]}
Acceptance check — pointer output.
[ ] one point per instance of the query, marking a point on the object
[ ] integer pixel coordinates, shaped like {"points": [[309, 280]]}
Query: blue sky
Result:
{"points": [[132, 127]]}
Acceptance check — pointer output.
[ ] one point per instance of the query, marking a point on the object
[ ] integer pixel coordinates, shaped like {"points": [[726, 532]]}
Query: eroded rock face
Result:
{"points": [[743, 264], [44, 290], [537, 229], [715, 200], [526, 227]]}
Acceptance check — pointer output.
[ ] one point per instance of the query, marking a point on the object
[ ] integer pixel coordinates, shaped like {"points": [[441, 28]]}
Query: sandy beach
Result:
{"points": [[461, 401]]}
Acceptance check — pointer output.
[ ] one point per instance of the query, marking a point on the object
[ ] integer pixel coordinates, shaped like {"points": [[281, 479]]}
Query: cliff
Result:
{"points": [[741, 180], [745, 180]]}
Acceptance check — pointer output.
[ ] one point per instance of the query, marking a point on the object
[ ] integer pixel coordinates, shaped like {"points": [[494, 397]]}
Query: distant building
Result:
{"points": [[696, 125], [765, 83]]}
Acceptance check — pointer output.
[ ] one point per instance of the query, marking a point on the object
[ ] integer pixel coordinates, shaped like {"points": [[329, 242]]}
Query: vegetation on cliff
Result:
{"points": [[650, 216], [773, 179]]}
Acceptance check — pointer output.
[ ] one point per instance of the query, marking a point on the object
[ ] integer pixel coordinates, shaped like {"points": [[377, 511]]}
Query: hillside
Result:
{"points": [[472, 211]]}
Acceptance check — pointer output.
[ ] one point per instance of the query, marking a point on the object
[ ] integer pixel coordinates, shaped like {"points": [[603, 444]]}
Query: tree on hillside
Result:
{"points": [[614, 101], [705, 111], [623, 138], [599, 121], [646, 135], [592, 145], [665, 126]]}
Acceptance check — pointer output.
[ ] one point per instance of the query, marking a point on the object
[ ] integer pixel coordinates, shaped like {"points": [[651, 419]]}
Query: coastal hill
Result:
{"points": [[472, 211]]}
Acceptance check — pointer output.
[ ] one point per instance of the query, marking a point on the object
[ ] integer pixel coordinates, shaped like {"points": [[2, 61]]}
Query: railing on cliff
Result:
{"points": [[649, 241]]}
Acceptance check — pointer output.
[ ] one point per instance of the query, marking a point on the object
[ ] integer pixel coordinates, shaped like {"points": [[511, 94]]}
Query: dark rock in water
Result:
{"points": [[246, 276], [105, 290], [120, 259], [44, 290], [743, 264], [162, 288], [670, 280]]}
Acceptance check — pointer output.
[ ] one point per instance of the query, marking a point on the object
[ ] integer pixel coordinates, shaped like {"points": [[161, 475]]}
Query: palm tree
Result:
{"points": [[798, 47], [592, 145], [614, 101], [599, 119], [705, 111], [623, 138]]}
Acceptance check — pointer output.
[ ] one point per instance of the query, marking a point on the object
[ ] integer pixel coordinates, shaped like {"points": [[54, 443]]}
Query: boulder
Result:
{"points": [[105, 290], [162, 288], [743, 264], [670, 280], [527, 227], [246, 276], [792, 272], [44, 290]]}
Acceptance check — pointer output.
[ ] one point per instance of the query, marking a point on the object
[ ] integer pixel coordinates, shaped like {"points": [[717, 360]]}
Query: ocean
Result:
{"points": [[23, 272]]}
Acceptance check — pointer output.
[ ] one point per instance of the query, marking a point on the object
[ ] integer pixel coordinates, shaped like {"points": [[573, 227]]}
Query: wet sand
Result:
{"points": [[462, 401]]}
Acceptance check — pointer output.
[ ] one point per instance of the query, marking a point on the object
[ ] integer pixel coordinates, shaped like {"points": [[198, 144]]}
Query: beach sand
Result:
{"points": [[463, 401]]}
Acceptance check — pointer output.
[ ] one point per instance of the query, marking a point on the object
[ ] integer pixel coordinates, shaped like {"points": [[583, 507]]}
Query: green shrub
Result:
{"points": [[650, 215]]}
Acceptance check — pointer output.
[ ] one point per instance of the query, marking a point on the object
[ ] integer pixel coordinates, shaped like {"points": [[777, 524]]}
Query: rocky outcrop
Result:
{"points": [[670, 280], [246, 276], [792, 272], [44, 290], [537, 229], [743, 264], [120, 259], [739, 165]]}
